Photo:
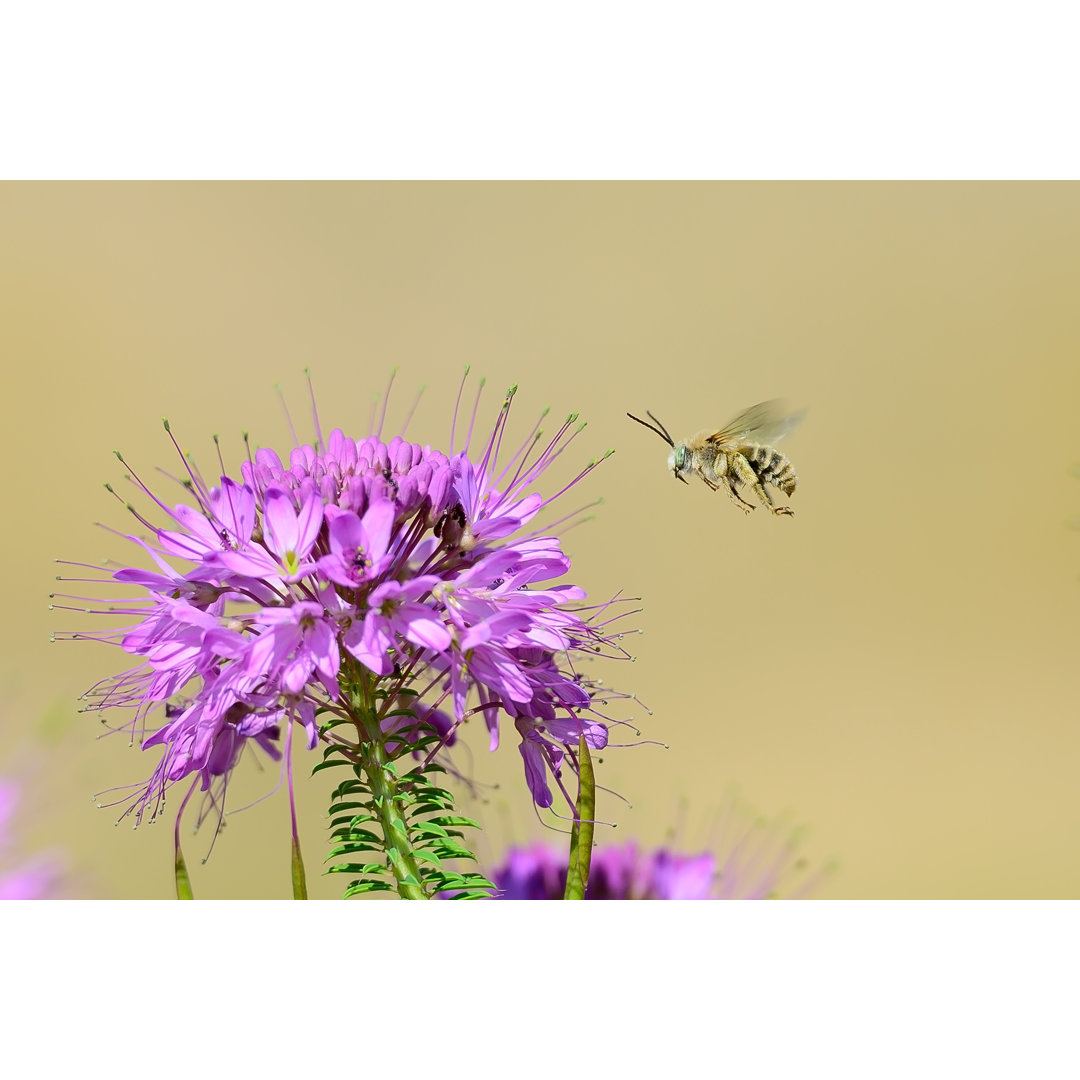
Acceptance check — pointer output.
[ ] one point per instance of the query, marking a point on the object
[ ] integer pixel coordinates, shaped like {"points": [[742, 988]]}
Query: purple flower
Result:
{"points": [[358, 575], [752, 860]]}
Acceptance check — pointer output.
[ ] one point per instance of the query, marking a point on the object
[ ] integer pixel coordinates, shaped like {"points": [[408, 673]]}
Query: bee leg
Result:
{"points": [[744, 472], [736, 498]]}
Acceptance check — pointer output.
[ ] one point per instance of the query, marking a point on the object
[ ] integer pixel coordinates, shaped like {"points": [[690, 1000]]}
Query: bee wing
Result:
{"points": [[767, 422]]}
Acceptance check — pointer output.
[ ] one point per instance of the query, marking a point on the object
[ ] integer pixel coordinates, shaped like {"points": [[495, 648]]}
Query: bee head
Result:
{"points": [[678, 461]]}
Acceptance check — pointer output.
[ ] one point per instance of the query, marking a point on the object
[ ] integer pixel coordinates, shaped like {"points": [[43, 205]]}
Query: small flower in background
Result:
{"points": [[752, 860], [355, 573], [36, 878], [620, 872]]}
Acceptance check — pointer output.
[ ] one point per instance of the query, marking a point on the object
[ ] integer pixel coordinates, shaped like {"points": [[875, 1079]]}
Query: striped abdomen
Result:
{"points": [[772, 467]]}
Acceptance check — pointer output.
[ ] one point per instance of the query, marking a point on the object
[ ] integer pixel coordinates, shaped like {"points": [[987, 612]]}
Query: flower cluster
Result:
{"points": [[359, 570]]}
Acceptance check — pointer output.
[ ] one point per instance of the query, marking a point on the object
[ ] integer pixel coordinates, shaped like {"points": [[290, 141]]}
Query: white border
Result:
{"points": [[538, 90], [744, 988]]}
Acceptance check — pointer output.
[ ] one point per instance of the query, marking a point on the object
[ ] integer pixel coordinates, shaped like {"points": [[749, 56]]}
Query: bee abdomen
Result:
{"points": [[773, 468]]}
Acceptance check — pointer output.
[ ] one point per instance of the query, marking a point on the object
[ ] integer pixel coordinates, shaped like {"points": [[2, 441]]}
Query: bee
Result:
{"points": [[738, 455]]}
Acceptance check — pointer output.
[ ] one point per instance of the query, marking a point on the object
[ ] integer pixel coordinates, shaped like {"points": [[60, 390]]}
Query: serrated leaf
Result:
{"points": [[428, 828], [349, 821], [332, 763], [449, 849], [352, 848], [350, 787], [342, 807], [452, 821], [359, 869], [400, 712], [366, 887], [347, 832]]}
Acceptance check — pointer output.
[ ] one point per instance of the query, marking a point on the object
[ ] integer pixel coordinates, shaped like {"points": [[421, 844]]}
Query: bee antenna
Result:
{"points": [[655, 426], [671, 441]]}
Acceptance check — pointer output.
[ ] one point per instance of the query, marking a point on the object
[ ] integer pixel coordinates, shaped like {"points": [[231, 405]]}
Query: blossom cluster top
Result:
{"points": [[295, 589]]}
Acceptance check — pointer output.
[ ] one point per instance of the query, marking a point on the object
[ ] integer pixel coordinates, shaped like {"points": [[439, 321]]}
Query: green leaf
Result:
{"points": [[357, 868], [341, 807], [453, 821], [358, 836], [358, 887], [420, 855], [581, 836], [349, 822], [428, 828], [330, 763], [353, 848], [449, 849], [350, 787]]}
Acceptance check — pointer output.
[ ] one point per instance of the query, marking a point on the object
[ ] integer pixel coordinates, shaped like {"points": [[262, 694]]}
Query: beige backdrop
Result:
{"points": [[895, 665]]}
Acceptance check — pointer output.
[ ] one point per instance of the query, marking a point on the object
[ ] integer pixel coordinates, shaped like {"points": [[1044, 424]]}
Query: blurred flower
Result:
{"points": [[356, 570], [754, 860], [617, 873], [37, 878]]}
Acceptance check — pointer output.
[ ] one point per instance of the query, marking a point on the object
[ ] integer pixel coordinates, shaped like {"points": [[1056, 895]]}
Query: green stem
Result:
{"points": [[183, 881], [180, 870], [581, 836], [299, 878], [383, 780]]}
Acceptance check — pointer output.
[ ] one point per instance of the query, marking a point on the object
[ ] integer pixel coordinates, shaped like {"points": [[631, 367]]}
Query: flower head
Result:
{"points": [[354, 575]]}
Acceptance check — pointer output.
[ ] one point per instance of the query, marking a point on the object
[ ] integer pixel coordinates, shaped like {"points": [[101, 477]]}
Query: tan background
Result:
{"points": [[896, 665]]}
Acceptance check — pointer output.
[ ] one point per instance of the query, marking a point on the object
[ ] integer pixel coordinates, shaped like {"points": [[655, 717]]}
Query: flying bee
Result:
{"points": [[738, 455]]}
